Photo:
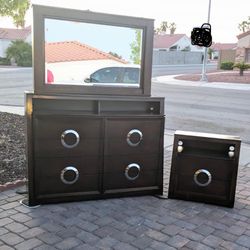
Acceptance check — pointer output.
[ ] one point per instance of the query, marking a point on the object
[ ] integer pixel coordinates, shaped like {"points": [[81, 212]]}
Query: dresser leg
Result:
{"points": [[25, 203]]}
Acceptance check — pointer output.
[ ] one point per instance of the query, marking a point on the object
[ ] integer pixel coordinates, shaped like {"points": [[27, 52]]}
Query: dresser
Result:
{"points": [[94, 147], [93, 129]]}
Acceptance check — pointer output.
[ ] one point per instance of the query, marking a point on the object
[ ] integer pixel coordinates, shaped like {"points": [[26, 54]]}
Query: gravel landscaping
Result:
{"points": [[230, 77], [12, 148]]}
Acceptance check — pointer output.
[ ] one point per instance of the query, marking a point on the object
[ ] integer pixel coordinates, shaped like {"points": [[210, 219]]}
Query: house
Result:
{"points": [[174, 42], [171, 49], [72, 61], [8, 35], [218, 47], [243, 48]]}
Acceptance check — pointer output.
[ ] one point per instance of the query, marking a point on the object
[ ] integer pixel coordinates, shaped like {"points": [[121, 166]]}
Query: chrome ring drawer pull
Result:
{"points": [[130, 166], [202, 171], [67, 169], [134, 132], [68, 132]]}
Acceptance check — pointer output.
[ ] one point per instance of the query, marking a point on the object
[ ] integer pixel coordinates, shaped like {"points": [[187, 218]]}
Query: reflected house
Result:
{"points": [[72, 61]]}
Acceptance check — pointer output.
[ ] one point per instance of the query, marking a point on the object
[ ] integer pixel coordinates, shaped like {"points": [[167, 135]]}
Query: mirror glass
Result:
{"points": [[88, 54]]}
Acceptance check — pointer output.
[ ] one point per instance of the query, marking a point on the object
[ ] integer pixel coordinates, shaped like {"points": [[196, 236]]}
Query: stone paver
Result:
{"points": [[128, 223]]}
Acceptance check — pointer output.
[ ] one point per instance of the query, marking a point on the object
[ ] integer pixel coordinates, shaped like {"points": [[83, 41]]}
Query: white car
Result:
{"points": [[122, 74]]}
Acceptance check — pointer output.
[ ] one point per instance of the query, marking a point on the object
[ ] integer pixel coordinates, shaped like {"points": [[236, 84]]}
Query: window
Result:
{"points": [[173, 48], [106, 75], [131, 75], [248, 55]]}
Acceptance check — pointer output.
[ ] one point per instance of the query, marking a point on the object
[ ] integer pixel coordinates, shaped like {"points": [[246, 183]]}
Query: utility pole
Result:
{"points": [[204, 66]]}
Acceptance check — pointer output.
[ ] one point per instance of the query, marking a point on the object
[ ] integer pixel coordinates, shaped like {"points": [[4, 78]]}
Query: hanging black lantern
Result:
{"points": [[202, 36]]}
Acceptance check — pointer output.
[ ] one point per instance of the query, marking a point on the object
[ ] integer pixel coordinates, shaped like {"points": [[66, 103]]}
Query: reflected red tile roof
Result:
{"points": [[14, 34], [166, 40], [74, 51], [223, 46]]}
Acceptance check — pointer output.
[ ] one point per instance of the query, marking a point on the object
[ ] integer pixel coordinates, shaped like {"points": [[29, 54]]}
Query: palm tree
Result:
{"points": [[163, 27], [242, 67], [244, 25], [172, 28]]}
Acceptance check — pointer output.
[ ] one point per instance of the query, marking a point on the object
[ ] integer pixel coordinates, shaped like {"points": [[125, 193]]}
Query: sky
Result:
{"points": [[225, 15]]}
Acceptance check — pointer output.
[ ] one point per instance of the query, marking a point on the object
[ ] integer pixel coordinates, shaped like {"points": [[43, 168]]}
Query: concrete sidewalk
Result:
{"points": [[12, 109]]}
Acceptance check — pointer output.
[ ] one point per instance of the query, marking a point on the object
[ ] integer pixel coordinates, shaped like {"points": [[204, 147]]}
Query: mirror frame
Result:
{"points": [[40, 13]]}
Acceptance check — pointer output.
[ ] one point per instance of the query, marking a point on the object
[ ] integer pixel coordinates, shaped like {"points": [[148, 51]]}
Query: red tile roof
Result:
{"points": [[74, 51], [243, 34], [14, 34], [223, 46], [166, 40]]}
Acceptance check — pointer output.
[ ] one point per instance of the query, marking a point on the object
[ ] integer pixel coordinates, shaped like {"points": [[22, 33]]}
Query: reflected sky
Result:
{"points": [[103, 37]]}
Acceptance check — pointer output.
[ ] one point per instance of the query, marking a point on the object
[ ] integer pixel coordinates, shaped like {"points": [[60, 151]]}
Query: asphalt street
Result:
{"points": [[13, 83], [195, 108], [206, 109]]}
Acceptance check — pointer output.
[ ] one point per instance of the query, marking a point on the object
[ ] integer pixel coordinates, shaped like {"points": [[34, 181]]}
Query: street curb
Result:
{"points": [[12, 185], [170, 79]]}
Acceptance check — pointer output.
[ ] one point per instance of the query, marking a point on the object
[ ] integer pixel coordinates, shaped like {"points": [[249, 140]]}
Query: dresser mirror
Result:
{"points": [[83, 52], [87, 54]]}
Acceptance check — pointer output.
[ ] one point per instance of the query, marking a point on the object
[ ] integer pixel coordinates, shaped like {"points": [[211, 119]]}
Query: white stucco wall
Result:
{"points": [[185, 42], [77, 71], [28, 39], [244, 42], [4, 44]]}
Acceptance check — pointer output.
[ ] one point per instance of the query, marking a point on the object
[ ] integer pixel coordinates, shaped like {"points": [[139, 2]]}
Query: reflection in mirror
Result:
{"points": [[92, 54]]}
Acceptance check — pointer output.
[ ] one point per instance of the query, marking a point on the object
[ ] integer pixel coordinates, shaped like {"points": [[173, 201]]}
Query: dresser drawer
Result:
{"points": [[66, 175], [133, 136], [117, 164], [120, 181], [57, 135], [131, 172]]}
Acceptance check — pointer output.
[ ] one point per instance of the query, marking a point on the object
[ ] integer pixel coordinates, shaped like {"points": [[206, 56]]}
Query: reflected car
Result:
{"points": [[115, 75]]}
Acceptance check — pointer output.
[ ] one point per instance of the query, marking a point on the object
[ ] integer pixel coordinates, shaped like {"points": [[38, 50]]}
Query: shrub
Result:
{"points": [[241, 66], [21, 52], [227, 65], [4, 61]]}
